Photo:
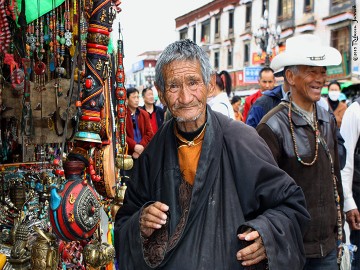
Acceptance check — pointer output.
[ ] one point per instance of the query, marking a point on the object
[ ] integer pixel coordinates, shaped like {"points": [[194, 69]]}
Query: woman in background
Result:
{"points": [[236, 103], [335, 105], [218, 99]]}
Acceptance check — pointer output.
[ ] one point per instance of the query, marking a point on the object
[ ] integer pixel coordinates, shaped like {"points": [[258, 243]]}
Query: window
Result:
{"points": [[308, 6], [231, 22], [216, 60], [183, 34], [341, 41], [205, 31], [340, 2], [337, 6], [230, 57], [194, 33], [246, 54], [248, 16], [264, 6], [217, 27], [285, 10]]}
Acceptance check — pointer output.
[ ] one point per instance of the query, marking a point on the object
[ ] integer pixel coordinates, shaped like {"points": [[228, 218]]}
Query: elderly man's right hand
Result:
{"points": [[153, 217], [353, 219]]}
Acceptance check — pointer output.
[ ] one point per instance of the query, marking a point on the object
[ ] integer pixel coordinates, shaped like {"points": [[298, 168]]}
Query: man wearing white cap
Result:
{"points": [[302, 137]]}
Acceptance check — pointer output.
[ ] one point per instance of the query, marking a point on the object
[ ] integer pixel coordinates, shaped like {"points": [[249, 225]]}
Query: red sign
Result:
{"points": [[238, 78], [257, 60]]}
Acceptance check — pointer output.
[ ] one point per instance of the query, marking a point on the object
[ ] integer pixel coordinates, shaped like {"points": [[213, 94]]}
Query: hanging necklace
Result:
{"points": [[198, 139], [316, 134]]}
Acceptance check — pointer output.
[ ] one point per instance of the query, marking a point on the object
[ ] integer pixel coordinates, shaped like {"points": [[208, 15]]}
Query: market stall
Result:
{"points": [[62, 133]]}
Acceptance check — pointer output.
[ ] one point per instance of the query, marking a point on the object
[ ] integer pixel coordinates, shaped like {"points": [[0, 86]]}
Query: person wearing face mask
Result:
{"points": [[336, 106], [218, 98]]}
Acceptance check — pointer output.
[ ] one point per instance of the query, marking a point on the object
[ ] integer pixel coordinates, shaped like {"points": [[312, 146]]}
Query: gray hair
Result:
{"points": [[183, 50], [293, 69]]}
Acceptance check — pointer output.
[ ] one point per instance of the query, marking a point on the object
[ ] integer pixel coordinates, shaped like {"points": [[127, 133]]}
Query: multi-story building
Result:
{"points": [[143, 71], [226, 29]]}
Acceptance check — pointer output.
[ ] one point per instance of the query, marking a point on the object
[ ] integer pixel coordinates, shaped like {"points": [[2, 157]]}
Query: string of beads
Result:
{"points": [[316, 134]]}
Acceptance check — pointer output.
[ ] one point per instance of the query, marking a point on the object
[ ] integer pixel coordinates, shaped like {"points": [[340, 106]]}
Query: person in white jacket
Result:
{"points": [[218, 99], [350, 174]]}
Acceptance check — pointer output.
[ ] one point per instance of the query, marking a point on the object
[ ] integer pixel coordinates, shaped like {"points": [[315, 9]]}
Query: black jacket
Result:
{"points": [[159, 114], [316, 180]]}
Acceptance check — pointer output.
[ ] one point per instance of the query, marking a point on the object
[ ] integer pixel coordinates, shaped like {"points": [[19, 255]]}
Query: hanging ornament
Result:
{"points": [[5, 34], [17, 81], [39, 70], [67, 34], [40, 67]]}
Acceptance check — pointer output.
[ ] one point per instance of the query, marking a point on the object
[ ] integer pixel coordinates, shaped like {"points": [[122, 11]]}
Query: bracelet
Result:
{"points": [[90, 113], [97, 46], [90, 118], [98, 30], [97, 51]]}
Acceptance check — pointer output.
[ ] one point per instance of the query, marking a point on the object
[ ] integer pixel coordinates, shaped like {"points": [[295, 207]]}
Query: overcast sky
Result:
{"points": [[150, 24]]}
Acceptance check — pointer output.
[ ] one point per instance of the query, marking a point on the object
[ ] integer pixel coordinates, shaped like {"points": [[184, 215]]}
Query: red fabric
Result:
{"points": [[9, 60], [145, 130], [249, 101], [153, 121]]}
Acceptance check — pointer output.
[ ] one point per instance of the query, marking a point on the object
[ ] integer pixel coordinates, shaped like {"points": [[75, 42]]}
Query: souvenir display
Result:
{"points": [[62, 147]]}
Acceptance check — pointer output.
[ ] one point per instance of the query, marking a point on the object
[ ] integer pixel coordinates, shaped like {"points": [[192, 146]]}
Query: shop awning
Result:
{"points": [[35, 9], [338, 18]]}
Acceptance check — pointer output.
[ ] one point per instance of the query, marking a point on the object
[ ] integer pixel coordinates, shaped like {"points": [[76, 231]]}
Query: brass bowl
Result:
{"points": [[124, 162]]}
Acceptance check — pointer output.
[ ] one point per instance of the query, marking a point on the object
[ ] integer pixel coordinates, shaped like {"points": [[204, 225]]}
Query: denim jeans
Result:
{"points": [[327, 263], [355, 238]]}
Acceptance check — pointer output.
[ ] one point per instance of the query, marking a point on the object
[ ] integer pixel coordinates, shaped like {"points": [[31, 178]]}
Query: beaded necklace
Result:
{"points": [[316, 134]]}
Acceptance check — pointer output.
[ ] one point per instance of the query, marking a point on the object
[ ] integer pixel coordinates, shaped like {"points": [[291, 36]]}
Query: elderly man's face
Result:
{"points": [[306, 84], [185, 92]]}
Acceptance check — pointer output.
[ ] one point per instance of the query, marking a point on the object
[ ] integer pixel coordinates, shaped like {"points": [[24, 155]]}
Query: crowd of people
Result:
{"points": [[222, 183]]}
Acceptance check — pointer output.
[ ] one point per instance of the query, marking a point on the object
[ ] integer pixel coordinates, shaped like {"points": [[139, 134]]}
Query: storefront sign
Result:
{"points": [[251, 74]]}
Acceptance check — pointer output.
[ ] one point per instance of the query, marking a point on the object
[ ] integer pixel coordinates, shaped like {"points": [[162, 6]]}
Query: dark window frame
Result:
{"points": [[248, 14], [230, 57], [246, 54], [217, 27], [287, 7], [216, 59], [205, 31], [308, 6], [231, 21]]}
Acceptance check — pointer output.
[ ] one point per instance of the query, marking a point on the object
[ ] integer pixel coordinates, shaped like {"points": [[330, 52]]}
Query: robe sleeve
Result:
{"points": [[272, 203]]}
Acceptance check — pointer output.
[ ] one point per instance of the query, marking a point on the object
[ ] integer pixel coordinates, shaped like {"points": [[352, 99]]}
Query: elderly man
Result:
{"points": [[195, 200], [302, 137]]}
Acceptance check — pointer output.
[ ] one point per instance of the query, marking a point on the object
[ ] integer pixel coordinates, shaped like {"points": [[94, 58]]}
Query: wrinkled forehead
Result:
{"points": [[181, 68]]}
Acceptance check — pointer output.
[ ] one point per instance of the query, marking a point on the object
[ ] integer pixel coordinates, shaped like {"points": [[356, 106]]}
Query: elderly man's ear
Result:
{"points": [[289, 77], [211, 88]]}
